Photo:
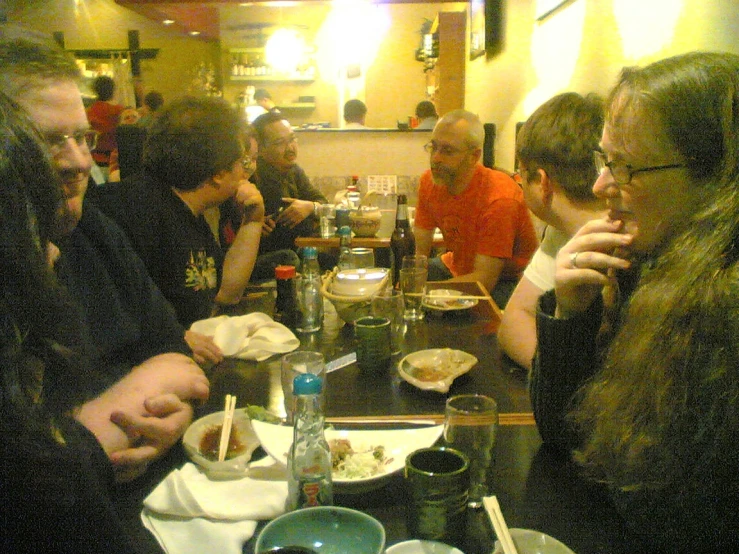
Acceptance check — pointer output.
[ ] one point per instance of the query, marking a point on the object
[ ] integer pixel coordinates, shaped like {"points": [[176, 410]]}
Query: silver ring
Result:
{"points": [[573, 260]]}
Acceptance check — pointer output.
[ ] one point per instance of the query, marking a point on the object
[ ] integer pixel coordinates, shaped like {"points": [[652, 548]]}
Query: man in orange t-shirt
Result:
{"points": [[481, 212]]}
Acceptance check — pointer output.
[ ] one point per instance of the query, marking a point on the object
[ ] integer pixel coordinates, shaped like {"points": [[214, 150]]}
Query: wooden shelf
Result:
{"points": [[298, 106], [272, 78]]}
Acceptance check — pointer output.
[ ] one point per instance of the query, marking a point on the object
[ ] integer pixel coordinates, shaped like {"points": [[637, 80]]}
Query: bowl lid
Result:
{"points": [[359, 282]]}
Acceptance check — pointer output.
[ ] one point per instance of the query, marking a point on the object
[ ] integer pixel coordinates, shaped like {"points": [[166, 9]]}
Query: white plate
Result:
{"points": [[446, 303], [422, 547], [234, 467], [398, 443], [435, 369], [529, 541]]}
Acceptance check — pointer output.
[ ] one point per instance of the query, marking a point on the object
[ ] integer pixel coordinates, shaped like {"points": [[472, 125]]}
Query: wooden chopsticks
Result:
{"points": [[501, 529], [228, 418], [525, 418]]}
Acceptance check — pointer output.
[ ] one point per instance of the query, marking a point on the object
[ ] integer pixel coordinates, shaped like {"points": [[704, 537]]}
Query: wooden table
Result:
{"points": [[536, 487]]}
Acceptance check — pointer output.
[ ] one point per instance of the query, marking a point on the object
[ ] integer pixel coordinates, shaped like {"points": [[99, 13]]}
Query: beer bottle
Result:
{"points": [[402, 241]]}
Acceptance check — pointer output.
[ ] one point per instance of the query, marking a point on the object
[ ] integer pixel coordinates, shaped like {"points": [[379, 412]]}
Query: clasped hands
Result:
{"points": [[143, 415], [294, 212]]}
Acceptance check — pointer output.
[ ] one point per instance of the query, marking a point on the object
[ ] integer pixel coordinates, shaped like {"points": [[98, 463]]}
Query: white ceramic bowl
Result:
{"points": [[398, 443], [359, 282], [529, 541], [422, 547], [435, 369], [231, 467]]}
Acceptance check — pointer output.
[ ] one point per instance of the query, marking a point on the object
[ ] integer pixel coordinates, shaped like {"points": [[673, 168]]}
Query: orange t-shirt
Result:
{"points": [[489, 218]]}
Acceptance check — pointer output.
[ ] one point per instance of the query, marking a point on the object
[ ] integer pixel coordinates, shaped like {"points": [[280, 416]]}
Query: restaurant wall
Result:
{"points": [[581, 48], [103, 24]]}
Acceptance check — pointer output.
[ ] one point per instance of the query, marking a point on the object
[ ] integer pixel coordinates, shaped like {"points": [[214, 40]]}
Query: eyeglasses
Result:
{"points": [[622, 173], [283, 142], [444, 149], [57, 142], [246, 162]]}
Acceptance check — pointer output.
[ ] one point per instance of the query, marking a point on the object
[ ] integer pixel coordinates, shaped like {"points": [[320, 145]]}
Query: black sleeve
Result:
{"points": [[565, 358]]}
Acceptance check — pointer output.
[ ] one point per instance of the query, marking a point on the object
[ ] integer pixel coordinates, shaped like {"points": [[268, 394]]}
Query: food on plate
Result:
{"points": [[429, 373], [349, 463], [211, 440], [262, 414]]}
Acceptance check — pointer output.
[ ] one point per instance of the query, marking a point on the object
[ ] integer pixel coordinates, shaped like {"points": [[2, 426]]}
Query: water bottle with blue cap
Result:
{"points": [[309, 460]]}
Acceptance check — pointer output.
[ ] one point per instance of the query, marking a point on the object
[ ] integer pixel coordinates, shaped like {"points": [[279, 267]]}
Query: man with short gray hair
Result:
{"points": [[481, 212]]}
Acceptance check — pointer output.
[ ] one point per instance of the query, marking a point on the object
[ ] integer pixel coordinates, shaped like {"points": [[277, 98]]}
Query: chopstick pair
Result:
{"points": [[501, 528], [228, 419]]}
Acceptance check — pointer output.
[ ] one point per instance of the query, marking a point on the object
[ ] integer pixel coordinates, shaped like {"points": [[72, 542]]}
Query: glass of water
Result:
{"points": [[327, 215], [413, 276]]}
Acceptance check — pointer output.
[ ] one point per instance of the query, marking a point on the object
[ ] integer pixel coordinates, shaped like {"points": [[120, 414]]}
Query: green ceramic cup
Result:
{"points": [[438, 483], [373, 343]]}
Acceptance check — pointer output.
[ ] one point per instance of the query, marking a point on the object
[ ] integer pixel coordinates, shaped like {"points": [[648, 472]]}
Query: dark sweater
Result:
{"points": [[127, 318], [694, 516]]}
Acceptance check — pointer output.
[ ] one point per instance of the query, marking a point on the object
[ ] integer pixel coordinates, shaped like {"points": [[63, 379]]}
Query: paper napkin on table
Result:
{"points": [[189, 513], [253, 336]]}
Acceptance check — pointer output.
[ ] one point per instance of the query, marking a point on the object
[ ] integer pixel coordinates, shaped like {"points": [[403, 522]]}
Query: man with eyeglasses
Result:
{"points": [[290, 201], [481, 212], [133, 341], [194, 159], [554, 152]]}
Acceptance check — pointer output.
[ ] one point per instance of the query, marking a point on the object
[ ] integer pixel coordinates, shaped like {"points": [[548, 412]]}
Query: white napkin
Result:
{"points": [[254, 336], [190, 513]]}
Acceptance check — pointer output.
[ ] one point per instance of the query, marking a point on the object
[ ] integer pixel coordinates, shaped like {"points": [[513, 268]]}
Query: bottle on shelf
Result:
{"points": [[402, 241], [310, 300], [345, 248], [309, 480], [286, 304], [353, 195]]}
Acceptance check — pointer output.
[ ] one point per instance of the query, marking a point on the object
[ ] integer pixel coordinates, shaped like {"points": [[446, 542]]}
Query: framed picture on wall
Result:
{"points": [[485, 27]]}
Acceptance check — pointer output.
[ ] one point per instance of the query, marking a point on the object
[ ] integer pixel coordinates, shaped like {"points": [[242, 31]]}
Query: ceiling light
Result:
{"points": [[193, 33], [168, 22]]}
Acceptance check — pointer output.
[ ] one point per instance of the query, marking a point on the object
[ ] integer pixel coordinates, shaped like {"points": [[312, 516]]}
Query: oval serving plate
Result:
{"points": [[443, 300], [435, 369]]}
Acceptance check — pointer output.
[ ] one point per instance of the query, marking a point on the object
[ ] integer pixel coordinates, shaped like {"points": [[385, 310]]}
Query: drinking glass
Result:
{"points": [[363, 258], [388, 303], [327, 215], [413, 275], [295, 363], [470, 426]]}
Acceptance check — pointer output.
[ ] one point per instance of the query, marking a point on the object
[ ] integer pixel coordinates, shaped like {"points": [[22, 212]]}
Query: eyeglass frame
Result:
{"points": [[59, 141], [599, 158], [431, 148]]}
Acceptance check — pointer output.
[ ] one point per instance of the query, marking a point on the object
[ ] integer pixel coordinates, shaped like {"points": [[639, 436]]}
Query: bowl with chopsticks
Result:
{"points": [[202, 443]]}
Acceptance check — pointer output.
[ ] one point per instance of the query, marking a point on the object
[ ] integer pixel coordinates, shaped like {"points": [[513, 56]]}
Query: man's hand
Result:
{"points": [[296, 212], [138, 400], [204, 350], [250, 199], [150, 435]]}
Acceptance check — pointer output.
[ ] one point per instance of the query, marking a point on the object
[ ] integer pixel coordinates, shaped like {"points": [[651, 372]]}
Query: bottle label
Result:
{"points": [[313, 492]]}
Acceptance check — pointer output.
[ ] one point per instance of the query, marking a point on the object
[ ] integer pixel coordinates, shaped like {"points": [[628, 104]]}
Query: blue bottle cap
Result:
{"points": [[344, 230], [306, 383], [310, 252]]}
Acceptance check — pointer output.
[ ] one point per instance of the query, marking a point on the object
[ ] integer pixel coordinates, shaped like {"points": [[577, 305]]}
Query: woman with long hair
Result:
{"points": [[637, 367], [55, 475]]}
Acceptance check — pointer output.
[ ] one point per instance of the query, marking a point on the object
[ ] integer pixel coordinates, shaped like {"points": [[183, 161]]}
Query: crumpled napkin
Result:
{"points": [[254, 336], [190, 513]]}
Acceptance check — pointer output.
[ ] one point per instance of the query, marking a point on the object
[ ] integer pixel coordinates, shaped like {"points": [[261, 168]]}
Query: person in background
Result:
{"points": [[129, 116], [263, 104], [290, 201], [153, 102], [554, 149], [426, 115], [194, 160], [638, 343], [481, 212], [103, 115], [355, 112], [129, 331]]}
